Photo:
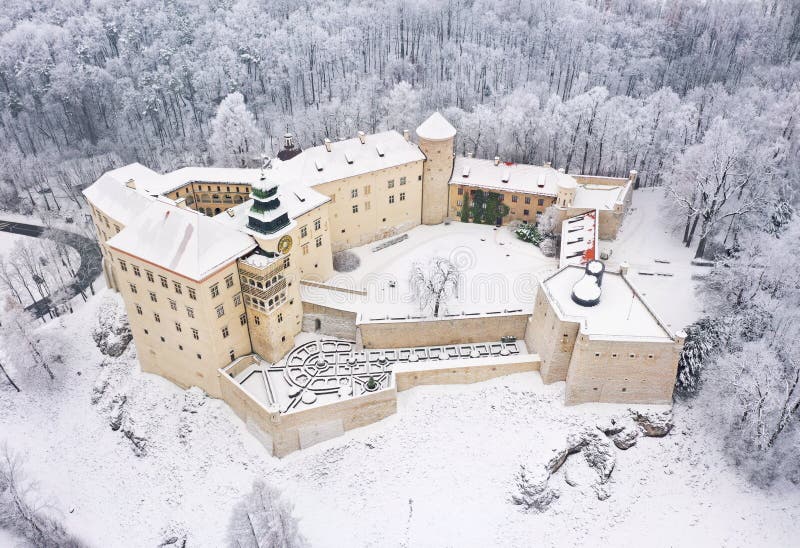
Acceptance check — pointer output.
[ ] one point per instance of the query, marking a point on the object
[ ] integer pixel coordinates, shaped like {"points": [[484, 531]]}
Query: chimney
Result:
{"points": [[406, 135], [497, 160], [623, 268], [131, 184], [548, 164], [362, 137], [327, 143], [632, 175], [288, 141], [561, 170], [469, 155]]}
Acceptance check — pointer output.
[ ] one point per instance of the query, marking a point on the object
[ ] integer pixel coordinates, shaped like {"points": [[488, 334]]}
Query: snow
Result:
{"points": [[530, 179], [364, 158], [438, 473], [118, 201], [181, 240], [620, 311], [498, 271], [646, 236], [436, 128], [579, 239], [593, 196]]}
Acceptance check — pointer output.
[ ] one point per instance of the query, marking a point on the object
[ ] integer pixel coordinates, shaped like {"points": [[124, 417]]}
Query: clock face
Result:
{"points": [[285, 244]]}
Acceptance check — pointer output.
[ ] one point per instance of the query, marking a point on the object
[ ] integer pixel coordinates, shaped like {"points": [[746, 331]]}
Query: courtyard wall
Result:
{"points": [[464, 371]]}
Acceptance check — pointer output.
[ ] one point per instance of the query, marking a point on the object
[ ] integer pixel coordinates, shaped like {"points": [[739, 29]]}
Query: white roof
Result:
{"points": [[220, 175], [520, 177], [181, 240], [579, 239], [316, 166], [120, 202], [621, 312], [436, 128], [598, 196]]}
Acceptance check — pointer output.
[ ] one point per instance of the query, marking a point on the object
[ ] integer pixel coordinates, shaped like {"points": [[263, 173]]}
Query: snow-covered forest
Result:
{"points": [[701, 98]]}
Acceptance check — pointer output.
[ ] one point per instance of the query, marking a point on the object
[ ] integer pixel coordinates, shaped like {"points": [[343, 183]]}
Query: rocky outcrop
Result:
{"points": [[533, 491], [653, 424], [112, 334]]}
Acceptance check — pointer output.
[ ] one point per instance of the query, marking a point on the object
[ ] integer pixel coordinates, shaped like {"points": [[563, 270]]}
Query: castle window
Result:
{"points": [[156, 317], [514, 199], [215, 290], [136, 271], [461, 191], [304, 231], [391, 183], [133, 288], [419, 177], [597, 354], [232, 355], [153, 297], [195, 334], [163, 339], [150, 277], [280, 317], [527, 200], [614, 355], [163, 281], [366, 206], [177, 287], [180, 347], [540, 202], [123, 265], [402, 180], [139, 309], [257, 320], [192, 293], [190, 311], [317, 224], [355, 208], [402, 196], [146, 332], [367, 190], [305, 249], [524, 212], [631, 356], [242, 319], [199, 357], [319, 241], [229, 280], [354, 193], [172, 304], [391, 199], [237, 299], [178, 327], [458, 203], [225, 332], [220, 310], [650, 356], [286, 262]]}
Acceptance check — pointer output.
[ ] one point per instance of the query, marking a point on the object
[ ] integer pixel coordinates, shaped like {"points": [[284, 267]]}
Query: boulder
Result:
{"points": [[626, 438], [533, 492], [600, 457], [653, 424]]}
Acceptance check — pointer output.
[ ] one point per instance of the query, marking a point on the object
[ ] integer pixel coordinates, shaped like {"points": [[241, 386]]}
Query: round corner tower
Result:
{"points": [[437, 141]]}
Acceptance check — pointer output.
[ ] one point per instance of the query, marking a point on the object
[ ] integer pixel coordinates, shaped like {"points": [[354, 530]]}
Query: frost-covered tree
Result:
{"points": [[264, 519], [235, 137], [549, 222], [434, 283], [18, 331], [704, 339], [402, 107]]}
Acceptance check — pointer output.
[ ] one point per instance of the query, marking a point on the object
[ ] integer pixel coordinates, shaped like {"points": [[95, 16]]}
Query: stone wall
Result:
{"points": [[550, 337], [433, 332], [465, 371], [329, 321], [622, 371]]}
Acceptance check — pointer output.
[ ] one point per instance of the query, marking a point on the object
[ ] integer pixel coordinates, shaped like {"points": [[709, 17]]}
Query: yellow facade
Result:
{"points": [[522, 206]]}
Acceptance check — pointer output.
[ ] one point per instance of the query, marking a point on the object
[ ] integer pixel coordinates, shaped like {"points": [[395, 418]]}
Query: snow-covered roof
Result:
{"points": [[316, 166], [579, 239], [220, 175], [436, 128], [621, 312], [181, 240], [123, 203], [593, 196], [510, 177]]}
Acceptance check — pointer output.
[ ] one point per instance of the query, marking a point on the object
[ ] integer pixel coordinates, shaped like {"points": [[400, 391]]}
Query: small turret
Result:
{"points": [[266, 215], [587, 290], [289, 149]]}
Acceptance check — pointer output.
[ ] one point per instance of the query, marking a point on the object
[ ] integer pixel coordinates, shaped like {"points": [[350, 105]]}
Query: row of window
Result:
{"points": [[231, 353], [317, 243], [616, 355], [304, 228], [195, 332], [268, 305], [177, 286], [368, 188], [367, 204], [514, 198]]}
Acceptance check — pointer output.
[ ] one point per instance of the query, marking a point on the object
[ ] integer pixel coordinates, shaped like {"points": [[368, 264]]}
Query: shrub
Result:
{"points": [[345, 261], [529, 233]]}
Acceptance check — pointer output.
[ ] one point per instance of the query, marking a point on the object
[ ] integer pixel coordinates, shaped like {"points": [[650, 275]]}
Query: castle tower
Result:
{"points": [[437, 142], [266, 215]]}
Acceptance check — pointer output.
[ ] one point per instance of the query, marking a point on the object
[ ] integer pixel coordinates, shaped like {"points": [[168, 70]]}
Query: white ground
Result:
{"points": [[439, 473], [499, 271]]}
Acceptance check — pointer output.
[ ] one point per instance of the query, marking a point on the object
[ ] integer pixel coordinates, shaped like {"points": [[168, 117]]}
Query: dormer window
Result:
{"points": [[465, 173], [348, 158], [318, 165], [506, 175], [379, 150]]}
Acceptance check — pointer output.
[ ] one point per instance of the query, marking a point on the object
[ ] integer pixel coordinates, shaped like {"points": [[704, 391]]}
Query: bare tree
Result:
{"points": [[434, 283], [21, 510], [17, 331], [8, 377], [264, 519]]}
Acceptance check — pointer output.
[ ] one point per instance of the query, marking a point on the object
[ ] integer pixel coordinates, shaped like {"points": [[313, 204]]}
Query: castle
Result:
{"points": [[211, 264]]}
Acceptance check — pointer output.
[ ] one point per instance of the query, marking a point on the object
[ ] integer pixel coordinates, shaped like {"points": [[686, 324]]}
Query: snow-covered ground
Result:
{"points": [[499, 271], [438, 473]]}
